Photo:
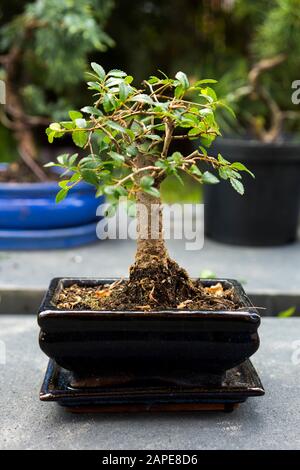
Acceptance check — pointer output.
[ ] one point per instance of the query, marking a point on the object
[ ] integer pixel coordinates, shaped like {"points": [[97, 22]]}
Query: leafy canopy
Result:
{"points": [[128, 132]]}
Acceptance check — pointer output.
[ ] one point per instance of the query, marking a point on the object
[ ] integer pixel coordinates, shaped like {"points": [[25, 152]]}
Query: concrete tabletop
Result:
{"points": [[269, 422]]}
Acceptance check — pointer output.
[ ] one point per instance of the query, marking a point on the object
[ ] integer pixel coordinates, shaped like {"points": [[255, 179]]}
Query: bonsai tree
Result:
{"points": [[36, 45], [127, 133]]}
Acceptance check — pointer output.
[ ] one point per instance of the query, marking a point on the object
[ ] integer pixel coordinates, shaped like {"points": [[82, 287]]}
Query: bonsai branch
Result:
{"points": [[169, 128]]}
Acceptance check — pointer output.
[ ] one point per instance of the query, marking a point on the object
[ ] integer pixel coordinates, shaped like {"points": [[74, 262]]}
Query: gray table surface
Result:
{"points": [[269, 422]]}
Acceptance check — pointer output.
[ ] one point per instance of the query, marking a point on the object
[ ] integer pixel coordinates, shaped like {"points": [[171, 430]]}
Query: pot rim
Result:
{"points": [[47, 309]]}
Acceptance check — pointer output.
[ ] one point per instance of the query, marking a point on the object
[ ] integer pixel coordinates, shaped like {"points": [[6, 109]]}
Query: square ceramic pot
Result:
{"points": [[91, 342]]}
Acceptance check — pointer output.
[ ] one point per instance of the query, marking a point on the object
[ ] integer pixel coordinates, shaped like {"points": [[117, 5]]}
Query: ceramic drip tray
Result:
{"points": [[129, 392]]}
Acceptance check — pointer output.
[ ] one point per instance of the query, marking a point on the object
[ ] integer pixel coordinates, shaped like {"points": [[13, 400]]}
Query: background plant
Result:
{"points": [[261, 92], [37, 44]]}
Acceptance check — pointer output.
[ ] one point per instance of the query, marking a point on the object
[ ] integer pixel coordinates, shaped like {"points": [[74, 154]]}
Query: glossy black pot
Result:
{"points": [[268, 214], [91, 342]]}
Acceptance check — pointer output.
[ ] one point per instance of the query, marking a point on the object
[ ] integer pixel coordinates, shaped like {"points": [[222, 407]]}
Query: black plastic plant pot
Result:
{"points": [[94, 342], [268, 214]]}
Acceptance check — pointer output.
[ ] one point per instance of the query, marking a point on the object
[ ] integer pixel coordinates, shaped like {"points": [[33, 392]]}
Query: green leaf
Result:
{"points": [[63, 159], [222, 160], [209, 178], [117, 156], [210, 93], [203, 150], [147, 182], [117, 127], [153, 137], [117, 73], [207, 274], [80, 138], [142, 98], [100, 191], [152, 191], [49, 165], [182, 78], [64, 184], [95, 86], [112, 82], [124, 91], [205, 80], [241, 167], [60, 196], [99, 70], [207, 139], [109, 102], [131, 150], [55, 126], [225, 173], [237, 185], [81, 123], [194, 132], [91, 110], [161, 164], [89, 163], [195, 171], [51, 135], [128, 79], [179, 92], [287, 313], [75, 115], [89, 176], [72, 159], [176, 157]]}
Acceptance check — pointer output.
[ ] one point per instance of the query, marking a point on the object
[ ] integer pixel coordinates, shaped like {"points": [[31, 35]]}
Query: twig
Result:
{"points": [[169, 128]]}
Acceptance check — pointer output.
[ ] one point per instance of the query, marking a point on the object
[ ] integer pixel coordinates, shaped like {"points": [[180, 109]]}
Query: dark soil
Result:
{"points": [[165, 287], [20, 173]]}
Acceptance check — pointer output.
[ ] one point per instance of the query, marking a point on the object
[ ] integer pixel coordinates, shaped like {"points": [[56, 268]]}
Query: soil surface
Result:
{"points": [[111, 297], [20, 173]]}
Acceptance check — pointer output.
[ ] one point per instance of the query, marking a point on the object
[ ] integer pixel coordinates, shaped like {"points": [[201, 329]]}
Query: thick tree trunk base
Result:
{"points": [[158, 283]]}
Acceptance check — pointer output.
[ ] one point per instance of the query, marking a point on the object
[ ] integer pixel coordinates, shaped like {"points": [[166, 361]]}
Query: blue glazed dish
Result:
{"points": [[30, 218], [48, 239], [31, 206]]}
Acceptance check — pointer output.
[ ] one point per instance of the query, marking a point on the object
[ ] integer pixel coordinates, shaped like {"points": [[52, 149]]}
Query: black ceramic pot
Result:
{"points": [[91, 342], [268, 214]]}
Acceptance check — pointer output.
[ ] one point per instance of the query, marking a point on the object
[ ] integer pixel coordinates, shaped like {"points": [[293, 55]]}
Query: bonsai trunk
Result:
{"points": [[150, 241], [155, 279], [151, 249]]}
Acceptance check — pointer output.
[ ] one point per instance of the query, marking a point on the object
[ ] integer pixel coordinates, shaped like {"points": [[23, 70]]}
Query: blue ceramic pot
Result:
{"points": [[30, 218], [31, 206]]}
